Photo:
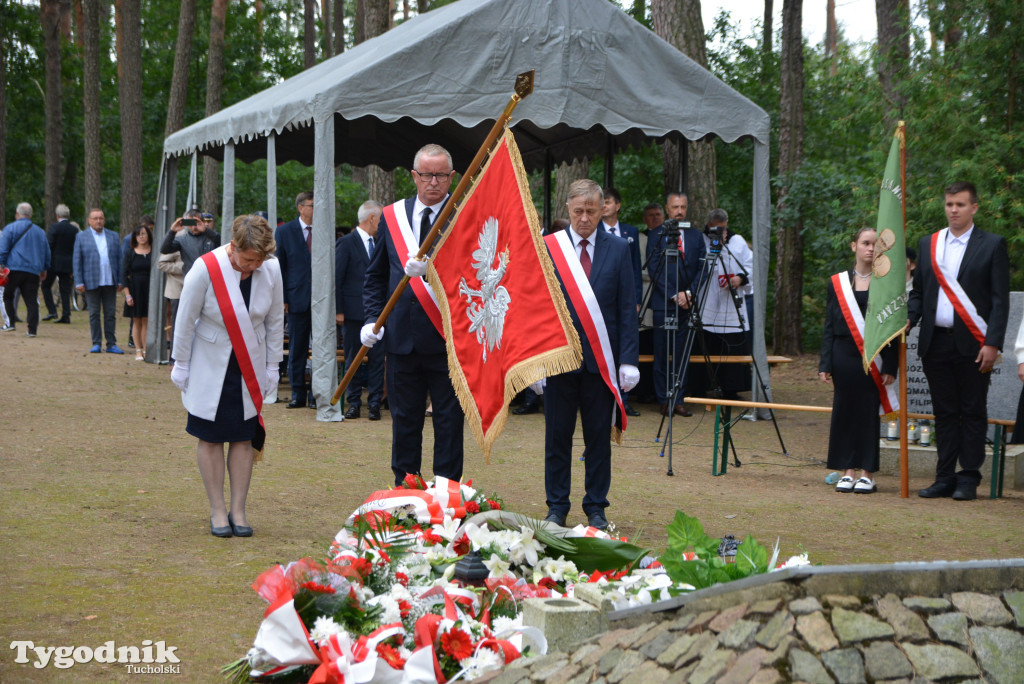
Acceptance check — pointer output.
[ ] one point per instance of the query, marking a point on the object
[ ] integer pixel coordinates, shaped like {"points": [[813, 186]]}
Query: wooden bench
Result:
{"points": [[723, 425]]}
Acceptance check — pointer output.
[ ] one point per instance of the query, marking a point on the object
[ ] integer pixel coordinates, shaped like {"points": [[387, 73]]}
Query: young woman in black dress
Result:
{"points": [[135, 277], [853, 438]]}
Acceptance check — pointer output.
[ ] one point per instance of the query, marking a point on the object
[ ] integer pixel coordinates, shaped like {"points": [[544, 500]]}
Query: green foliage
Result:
{"points": [[686, 534]]}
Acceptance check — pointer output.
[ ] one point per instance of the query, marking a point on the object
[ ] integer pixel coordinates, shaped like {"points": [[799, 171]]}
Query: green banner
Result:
{"points": [[887, 296]]}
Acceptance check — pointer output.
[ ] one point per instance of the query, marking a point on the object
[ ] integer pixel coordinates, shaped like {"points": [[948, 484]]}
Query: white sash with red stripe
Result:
{"points": [[887, 394], [584, 301], [224, 280], [962, 304], [405, 243]]}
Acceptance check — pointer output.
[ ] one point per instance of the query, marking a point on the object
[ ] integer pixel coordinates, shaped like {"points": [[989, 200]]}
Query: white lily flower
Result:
{"points": [[448, 528], [497, 566]]}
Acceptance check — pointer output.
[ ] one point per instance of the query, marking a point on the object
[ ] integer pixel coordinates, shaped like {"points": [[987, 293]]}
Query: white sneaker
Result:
{"points": [[845, 485], [864, 486]]}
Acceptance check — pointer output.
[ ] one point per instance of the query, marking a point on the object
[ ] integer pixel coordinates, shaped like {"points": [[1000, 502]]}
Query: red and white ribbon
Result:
{"points": [[962, 304], [584, 301], [405, 243], [889, 400], [424, 504]]}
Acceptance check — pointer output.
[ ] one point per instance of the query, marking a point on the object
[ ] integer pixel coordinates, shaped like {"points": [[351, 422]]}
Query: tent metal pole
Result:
{"points": [[609, 162], [193, 183], [227, 214], [272, 180], [547, 187], [155, 350], [323, 336], [761, 229]]}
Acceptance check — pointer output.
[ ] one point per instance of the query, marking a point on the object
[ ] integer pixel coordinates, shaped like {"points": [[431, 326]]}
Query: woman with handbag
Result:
{"points": [[228, 340], [135, 277]]}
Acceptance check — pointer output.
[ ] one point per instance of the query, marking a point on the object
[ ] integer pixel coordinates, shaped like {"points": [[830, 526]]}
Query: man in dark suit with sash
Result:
{"points": [[351, 256], [596, 273], [294, 240], [961, 298], [417, 359]]}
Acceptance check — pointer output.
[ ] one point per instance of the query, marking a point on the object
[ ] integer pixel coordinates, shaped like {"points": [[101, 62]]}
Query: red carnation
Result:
{"points": [[402, 578], [317, 588], [495, 506], [472, 507], [390, 654], [404, 607], [457, 644]]}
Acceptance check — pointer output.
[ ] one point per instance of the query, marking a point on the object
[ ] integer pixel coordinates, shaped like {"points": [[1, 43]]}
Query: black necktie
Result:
{"points": [[424, 224]]}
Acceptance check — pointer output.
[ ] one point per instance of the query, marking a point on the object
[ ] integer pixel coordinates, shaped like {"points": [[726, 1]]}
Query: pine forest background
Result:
{"points": [[90, 88]]}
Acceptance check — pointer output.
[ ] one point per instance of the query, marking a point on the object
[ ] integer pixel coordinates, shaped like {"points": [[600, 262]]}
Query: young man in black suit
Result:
{"points": [[961, 298], [351, 256], [293, 251]]}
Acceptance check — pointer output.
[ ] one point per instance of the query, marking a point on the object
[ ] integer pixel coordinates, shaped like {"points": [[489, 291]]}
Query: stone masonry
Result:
{"points": [[818, 626]]}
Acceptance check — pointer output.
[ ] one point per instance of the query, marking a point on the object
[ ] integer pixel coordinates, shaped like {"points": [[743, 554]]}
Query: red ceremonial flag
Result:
{"points": [[506, 323]]}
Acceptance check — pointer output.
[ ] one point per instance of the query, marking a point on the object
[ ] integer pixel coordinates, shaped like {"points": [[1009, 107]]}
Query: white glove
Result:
{"points": [[367, 336], [414, 268], [179, 375], [629, 376], [538, 387], [273, 377]]}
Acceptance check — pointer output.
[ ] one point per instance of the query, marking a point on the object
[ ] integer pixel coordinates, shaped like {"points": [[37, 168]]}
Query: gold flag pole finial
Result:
{"points": [[523, 88]]}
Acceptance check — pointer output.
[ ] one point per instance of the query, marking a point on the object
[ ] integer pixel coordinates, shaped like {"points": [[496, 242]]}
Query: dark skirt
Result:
{"points": [[230, 424], [853, 438], [138, 286]]}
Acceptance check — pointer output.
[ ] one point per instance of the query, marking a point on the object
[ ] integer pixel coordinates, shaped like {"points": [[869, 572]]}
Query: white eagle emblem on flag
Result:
{"points": [[487, 316]]}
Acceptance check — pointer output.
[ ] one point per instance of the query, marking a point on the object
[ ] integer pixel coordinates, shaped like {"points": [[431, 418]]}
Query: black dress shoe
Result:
{"points": [[312, 402], [374, 413], [597, 520], [63, 320], [352, 413], [220, 531], [296, 403], [239, 530], [527, 408], [965, 492], [555, 517], [630, 411], [937, 490], [50, 317]]}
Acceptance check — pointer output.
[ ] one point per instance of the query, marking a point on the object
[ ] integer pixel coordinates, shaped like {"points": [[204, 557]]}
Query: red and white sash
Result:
{"points": [[240, 330], [887, 394], [962, 304], [405, 242], [584, 301]]}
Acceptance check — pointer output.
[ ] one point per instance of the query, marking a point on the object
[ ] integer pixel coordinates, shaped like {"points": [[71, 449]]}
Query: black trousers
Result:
{"points": [[410, 377], [960, 402], [64, 286], [28, 283], [371, 374], [299, 327], [566, 395]]}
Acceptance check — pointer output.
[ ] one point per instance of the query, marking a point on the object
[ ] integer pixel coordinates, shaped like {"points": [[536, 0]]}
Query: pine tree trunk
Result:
{"points": [[3, 128], [326, 44], [214, 84], [422, 6], [179, 78], [831, 37], [129, 66], [565, 175], [53, 108], [893, 55], [379, 184], [679, 22], [91, 102], [339, 26], [789, 264], [766, 30], [309, 33]]}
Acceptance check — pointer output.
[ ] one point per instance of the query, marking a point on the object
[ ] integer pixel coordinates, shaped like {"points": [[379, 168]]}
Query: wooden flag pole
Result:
{"points": [[523, 87], [904, 437]]}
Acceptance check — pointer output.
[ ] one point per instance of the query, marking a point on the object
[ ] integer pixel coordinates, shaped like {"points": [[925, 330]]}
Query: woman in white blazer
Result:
{"points": [[219, 400]]}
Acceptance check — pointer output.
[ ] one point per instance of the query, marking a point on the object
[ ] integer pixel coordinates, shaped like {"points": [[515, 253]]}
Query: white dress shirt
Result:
{"points": [[614, 230], [577, 238], [106, 274], [365, 237], [417, 216], [951, 258]]}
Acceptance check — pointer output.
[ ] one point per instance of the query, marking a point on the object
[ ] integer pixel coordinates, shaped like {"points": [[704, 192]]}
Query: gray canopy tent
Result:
{"points": [[603, 81]]}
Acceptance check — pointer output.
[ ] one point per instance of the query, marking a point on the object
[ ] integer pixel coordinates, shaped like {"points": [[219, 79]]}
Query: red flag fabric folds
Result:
{"points": [[506, 323]]}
